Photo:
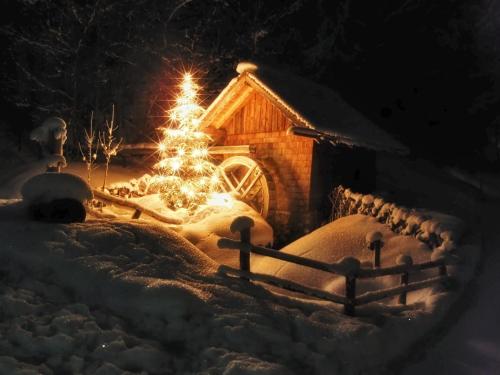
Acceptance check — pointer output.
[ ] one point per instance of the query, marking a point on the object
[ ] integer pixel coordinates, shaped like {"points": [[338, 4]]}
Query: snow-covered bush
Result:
{"points": [[433, 228], [136, 187], [52, 127]]}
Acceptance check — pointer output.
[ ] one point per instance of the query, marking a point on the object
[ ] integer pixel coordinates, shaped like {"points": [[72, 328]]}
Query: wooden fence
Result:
{"points": [[348, 267]]}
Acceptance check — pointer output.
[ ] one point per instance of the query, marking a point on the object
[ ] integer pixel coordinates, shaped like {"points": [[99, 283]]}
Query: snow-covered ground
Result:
{"points": [[137, 297], [109, 296], [470, 344]]}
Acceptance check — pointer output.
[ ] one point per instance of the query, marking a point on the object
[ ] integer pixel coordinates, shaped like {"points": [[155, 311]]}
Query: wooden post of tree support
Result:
{"points": [[243, 224], [405, 260]]}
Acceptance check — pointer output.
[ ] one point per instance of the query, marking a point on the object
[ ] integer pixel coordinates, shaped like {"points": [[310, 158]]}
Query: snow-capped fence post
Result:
{"points": [[243, 224], [374, 242], [351, 266], [404, 260]]}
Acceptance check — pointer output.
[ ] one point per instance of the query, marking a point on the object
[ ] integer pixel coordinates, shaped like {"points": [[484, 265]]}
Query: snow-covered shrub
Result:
{"points": [[433, 228], [136, 187], [53, 126]]}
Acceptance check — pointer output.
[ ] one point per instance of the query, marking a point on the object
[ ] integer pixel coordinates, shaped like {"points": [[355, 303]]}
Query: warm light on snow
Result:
{"points": [[220, 200]]}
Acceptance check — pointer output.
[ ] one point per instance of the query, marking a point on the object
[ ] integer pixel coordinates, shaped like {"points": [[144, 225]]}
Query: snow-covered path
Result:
{"points": [[472, 345]]}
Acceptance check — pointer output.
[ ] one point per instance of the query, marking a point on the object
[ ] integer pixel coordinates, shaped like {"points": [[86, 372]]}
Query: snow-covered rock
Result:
{"points": [[47, 187]]}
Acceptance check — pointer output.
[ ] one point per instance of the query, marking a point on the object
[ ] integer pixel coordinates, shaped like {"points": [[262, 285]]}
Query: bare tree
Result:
{"points": [[109, 145], [89, 152]]}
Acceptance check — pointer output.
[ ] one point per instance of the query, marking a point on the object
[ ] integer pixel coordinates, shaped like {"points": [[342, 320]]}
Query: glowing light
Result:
{"points": [[187, 176], [214, 179], [199, 152], [175, 164], [198, 167]]}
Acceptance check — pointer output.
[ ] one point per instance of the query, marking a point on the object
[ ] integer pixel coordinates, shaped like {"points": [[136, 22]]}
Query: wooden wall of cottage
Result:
{"points": [[287, 159]]}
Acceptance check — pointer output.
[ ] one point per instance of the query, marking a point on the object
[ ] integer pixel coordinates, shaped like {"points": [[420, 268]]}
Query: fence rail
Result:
{"points": [[349, 268], [138, 209]]}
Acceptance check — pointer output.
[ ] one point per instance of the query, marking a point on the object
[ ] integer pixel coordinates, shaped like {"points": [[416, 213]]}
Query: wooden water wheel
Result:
{"points": [[245, 179]]}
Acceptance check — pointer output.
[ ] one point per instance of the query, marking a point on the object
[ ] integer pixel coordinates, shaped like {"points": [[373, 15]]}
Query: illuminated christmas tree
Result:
{"points": [[186, 175]]}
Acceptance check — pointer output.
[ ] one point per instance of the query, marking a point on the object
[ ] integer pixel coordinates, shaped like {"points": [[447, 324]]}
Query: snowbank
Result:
{"points": [[206, 225], [119, 296], [209, 224]]}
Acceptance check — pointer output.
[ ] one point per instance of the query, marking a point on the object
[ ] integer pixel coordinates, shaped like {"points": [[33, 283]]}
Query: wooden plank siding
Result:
{"points": [[286, 158]]}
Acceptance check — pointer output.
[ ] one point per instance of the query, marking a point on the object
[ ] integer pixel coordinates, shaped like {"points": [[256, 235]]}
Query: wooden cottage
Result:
{"points": [[287, 142]]}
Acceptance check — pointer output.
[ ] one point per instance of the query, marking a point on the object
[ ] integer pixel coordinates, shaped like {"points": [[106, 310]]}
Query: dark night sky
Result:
{"points": [[426, 71]]}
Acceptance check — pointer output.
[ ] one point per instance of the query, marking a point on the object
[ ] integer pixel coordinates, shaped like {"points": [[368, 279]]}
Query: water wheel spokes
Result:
{"points": [[245, 179]]}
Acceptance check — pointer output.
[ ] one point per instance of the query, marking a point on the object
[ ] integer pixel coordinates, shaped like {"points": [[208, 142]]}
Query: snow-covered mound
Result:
{"points": [[206, 225], [105, 297], [210, 223], [46, 187], [341, 238]]}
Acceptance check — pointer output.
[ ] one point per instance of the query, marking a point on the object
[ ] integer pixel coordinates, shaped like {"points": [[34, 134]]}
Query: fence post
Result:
{"points": [[350, 293], [243, 224], [407, 261], [352, 266], [442, 269], [445, 259], [374, 243]]}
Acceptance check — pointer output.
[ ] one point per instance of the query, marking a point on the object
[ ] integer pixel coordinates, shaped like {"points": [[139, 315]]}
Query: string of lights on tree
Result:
{"points": [[187, 178]]}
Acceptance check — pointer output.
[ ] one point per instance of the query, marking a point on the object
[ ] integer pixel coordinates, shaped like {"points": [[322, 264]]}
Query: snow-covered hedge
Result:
{"points": [[437, 230]]}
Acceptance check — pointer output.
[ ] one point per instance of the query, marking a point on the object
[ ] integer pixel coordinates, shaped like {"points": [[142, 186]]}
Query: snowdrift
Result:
{"points": [[122, 296]]}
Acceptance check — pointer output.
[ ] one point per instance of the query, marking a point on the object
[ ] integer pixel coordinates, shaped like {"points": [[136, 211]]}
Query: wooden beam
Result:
{"points": [[377, 295], [284, 284], [141, 148], [127, 203], [334, 268], [231, 150]]}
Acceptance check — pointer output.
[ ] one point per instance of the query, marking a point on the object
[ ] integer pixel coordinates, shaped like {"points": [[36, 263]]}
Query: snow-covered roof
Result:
{"points": [[309, 105]]}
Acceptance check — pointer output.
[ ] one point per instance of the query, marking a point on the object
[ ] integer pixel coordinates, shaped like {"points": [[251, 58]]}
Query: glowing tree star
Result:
{"points": [[186, 175]]}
